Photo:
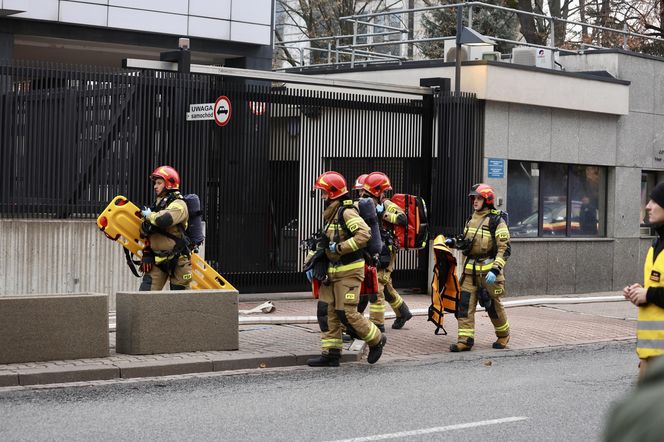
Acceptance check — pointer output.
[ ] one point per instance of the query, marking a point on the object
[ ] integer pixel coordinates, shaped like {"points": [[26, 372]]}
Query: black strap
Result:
{"points": [[131, 263]]}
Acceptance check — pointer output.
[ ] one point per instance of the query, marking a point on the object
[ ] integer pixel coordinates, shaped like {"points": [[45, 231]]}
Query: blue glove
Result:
{"points": [[310, 275], [333, 247], [146, 212], [380, 208], [490, 278]]}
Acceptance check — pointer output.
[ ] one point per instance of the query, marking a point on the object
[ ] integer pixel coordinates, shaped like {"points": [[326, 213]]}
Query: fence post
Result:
{"points": [[438, 85]]}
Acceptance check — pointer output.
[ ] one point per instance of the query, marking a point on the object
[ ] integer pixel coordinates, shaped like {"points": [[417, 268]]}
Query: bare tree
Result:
{"points": [[310, 19]]}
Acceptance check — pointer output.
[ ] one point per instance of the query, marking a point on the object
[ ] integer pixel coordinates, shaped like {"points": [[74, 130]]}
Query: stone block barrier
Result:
{"points": [[176, 321], [53, 327]]}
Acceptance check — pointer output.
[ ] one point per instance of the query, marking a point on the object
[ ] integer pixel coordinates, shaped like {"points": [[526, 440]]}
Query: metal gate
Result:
{"points": [[72, 138]]}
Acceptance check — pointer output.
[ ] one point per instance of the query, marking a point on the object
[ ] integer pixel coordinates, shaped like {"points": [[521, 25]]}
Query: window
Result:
{"points": [[553, 200]]}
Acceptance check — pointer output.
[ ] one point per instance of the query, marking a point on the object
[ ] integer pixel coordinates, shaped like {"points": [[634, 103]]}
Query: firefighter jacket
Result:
{"points": [[487, 251], [171, 216], [351, 237], [391, 216], [650, 326]]}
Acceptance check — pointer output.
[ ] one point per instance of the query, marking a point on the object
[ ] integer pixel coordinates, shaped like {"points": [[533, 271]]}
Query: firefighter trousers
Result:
{"points": [[157, 277], [337, 305], [468, 303], [386, 292]]}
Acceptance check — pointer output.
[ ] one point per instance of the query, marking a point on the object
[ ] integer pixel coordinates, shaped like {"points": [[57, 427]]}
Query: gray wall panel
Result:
{"points": [[565, 127], [658, 91], [526, 270], [561, 268], [529, 133], [627, 202], [635, 140], [496, 129], [598, 138], [641, 72], [626, 263], [594, 266]]}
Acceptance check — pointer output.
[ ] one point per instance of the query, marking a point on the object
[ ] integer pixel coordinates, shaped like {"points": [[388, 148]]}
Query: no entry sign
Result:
{"points": [[222, 110]]}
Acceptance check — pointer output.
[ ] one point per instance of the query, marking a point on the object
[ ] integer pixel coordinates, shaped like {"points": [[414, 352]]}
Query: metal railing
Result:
{"points": [[349, 44]]}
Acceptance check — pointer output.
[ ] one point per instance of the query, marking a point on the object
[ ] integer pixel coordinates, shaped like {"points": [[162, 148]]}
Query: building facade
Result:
{"points": [[103, 32]]}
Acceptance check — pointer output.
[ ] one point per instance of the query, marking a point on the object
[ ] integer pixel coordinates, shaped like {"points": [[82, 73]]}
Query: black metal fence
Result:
{"points": [[72, 138]]}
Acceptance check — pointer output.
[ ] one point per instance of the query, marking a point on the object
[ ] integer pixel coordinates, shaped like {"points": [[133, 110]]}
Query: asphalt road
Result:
{"points": [[556, 395]]}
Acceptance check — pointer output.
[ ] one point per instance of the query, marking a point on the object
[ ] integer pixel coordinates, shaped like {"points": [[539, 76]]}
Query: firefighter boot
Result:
{"points": [[462, 346], [330, 359], [405, 316], [375, 351], [501, 343]]}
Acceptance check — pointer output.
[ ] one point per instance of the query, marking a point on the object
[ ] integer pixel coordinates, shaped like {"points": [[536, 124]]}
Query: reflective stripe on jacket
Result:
{"points": [[477, 229], [650, 326]]}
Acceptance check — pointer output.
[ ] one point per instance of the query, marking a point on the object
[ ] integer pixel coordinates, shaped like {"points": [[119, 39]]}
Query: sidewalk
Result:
{"points": [[289, 336]]}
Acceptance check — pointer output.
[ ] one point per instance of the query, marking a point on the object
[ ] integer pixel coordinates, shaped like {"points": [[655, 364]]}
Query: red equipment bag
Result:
{"points": [[416, 233], [369, 285], [315, 288]]}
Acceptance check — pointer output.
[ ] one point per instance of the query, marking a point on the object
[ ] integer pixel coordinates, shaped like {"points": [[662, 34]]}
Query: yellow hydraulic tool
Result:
{"points": [[121, 221]]}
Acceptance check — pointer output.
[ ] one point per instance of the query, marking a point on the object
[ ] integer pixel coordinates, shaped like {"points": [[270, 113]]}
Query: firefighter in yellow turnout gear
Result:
{"points": [[347, 235], [483, 277], [375, 185], [166, 256]]}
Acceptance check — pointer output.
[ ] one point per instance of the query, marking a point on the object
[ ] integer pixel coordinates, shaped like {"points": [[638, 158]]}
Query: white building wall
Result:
{"points": [[234, 20]]}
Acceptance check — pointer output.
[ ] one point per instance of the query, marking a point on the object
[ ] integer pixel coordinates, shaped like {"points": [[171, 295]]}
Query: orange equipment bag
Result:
{"points": [[369, 285], [416, 233], [445, 286]]}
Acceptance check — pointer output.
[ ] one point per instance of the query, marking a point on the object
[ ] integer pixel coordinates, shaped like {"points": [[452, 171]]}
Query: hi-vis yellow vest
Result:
{"points": [[650, 328]]}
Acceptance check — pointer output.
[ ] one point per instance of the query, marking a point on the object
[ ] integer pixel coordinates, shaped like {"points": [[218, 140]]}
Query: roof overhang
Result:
{"points": [[509, 83]]}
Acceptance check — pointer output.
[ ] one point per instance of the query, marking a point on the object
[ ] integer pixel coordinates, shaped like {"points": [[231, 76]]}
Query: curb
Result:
{"points": [[130, 370]]}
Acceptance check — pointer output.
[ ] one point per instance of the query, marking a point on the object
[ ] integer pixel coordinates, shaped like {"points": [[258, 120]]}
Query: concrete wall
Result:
{"points": [[61, 256]]}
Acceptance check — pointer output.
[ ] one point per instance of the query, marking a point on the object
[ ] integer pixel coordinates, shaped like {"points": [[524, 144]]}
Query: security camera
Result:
{"points": [[183, 43]]}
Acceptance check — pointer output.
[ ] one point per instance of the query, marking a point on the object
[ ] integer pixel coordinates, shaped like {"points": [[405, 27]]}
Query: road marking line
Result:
{"points": [[434, 429]]}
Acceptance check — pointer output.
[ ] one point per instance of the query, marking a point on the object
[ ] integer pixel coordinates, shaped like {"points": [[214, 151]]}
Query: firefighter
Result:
{"points": [[166, 255], [649, 298], [375, 186], [486, 251], [346, 234]]}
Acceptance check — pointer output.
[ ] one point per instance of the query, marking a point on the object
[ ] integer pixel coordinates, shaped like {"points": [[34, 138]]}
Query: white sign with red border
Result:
{"points": [[222, 110]]}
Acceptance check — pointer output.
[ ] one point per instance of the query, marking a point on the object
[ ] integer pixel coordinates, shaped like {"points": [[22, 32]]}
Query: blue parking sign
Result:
{"points": [[496, 168]]}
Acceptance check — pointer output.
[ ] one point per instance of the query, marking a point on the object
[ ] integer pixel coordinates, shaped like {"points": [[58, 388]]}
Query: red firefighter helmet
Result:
{"points": [[359, 181], [333, 183], [377, 183], [169, 175], [485, 191]]}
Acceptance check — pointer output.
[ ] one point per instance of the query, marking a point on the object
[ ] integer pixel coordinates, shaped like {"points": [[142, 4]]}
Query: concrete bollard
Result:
{"points": [[176, 321], [53, 327]]}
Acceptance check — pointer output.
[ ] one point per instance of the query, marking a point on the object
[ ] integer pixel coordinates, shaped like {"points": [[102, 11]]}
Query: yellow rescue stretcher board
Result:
{"points": [[121, 221]]}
